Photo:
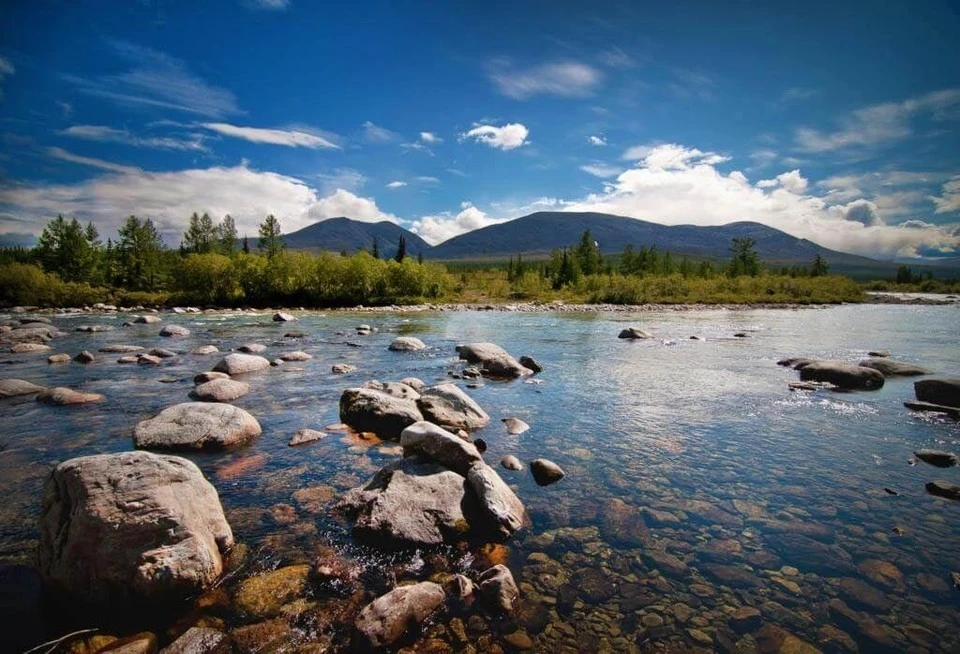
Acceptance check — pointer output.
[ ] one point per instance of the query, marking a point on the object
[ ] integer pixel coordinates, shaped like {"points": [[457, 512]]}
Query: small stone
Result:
{"points": [[343, 368], [58, 358], [546, 472], [519, 639], [262, 595], [252, 348], [64, 396], [407, 344], [295, 356], [204, 350], [85, 357], [280, 316], [515, 426], [700, 637], [745, 619], [177, 331], [511, 462], [306, 436]]}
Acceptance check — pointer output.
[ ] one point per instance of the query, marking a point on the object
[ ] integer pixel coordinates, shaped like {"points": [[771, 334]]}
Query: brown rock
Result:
{"points": [[745, 619], [65, 397]]}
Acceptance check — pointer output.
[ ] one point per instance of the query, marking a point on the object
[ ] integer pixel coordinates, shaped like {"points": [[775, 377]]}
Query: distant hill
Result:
{"points": [[337, 234], [17, 240]]}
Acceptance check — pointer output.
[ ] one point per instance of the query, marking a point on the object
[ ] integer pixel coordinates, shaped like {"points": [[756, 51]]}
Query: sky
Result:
{"points": [[833, 121]]}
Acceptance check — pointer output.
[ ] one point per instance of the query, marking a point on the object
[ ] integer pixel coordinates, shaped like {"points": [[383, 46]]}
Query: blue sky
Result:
{"points": [[834, 122]]}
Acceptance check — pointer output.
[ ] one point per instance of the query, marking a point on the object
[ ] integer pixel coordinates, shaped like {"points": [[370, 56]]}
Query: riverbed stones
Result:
{"points": [[745, 619], [390, 616], [148, 319], [174, 331], [944, 391], [241, 364], [263, 595], [864, 596], [447, 405], [205, 350], [197, 426], [406, 344], [199, 640], [944, 489], [148, 360], [493, 360], [634, 333], [132, 525], [843, 375], [204, 377], [220, 390], [122, 349], [502, 513], [622, 524], [61, 396], [938, 458], [367, 409], [436, 444], [800, 550], [515, 426], [891, 368], [16, 387], [281, 316], [85, 356], [161, 352], [546, 472], [498, 589]]}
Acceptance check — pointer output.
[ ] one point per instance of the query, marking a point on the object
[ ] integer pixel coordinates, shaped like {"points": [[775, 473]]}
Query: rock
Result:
{"points": [[29, 348], [205, 350], [92, 329], [842, 375], [270, 636], [199, 640], [622, 525], [408, 503], [370, 410], [519, 640], [494, 360], [511, 462], [85, 357], [436, 444], [147, 320], [835, 641], [872, 636], [142, 643], [204, 377], [280, 316], [498, 589], [863, 595], [501, 510], [772, 639], [795, 362], [396, 389], [61, 396], [241, 364], [58, 358], [387, 618], [938, 458], [343, 368], [802, 551], [953, 412], [406, 344], [220, 390], [306, 436], [414, 383], [15, 387], [122, 349], [197, 425], [295, 356], [891, 368], [177, 331], [530, 363], [720, 550], [955, 578], [447, 405], [132, 525], [945, 392], [515, 426], [803, 386], [252, 348], [666, 563], [261, 596], [127, 359], [546, 472], [942, 489], [878, 353], [730, 575], [162, 353], [745, 619], [635, 333]]}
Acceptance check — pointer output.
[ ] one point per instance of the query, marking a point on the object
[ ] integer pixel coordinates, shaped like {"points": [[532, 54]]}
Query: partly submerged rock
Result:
{"points": [[634, 333], [61, 396], [200, 640], [511, 462], [178, 331], [252, 348], [304, 436], [546, 472], [387, 618], [197, 425], [502, 512], [447, 405], [407, 344], [435, 444], [342, 368], [943, 391], [295, 356], [263, 595], [240, 364], [85, 357], [58, 358], [204, 377], [220, 390], [15, 387], [122, 348], [387, 416], [891, 368], [952, 411], [944, 489], [531, 363], [132, 525], [149, 319], [498, 588], [842, 375], [161, 352], [29, 348], [281, 316], [515, 426], [938, 458], [493, 359], [205, 350]]}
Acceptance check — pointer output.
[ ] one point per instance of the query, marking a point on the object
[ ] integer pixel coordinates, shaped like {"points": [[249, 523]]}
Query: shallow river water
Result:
{"points": [[696, 482]]}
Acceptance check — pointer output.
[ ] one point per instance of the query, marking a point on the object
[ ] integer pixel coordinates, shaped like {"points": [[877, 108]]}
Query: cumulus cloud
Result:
{"points": [[345, 203], [949, 200], [601, 170], [441, 227], [397, 184], [506, 137], [288, 138], [670, 156], [566, 79], [597, 140], [793, 181], [106, 134], [430, 138]]}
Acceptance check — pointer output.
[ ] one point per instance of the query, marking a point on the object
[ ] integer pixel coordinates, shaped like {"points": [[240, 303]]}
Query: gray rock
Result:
{"points": [[132, 525], [943, 391], [938, 458], [501, 510], [498, 588], [447, 405], [366, 409], [147, 360], [944, 489], [634, 333], [515, 426], [197, 425], [15, 387], [842, 375], [205, 350], [511, 462], [177, 331], [413, 383], [122, 349], [396, 389], [952, 411], [58, 358], [147, 320], [531, 363], [306, 436], [800, 550], [878, 353], [406, 344], [200, 640], [127, 359], [85, 357], [61, 396], [891, 368], [163, 353], [30, 348], [493, 359], [252, 348], [280, 316], [220, 390], [240, 364], [546, 472], [295, 356], [437, 445], [342, 368], [387, 618], [204, 377], [92, 329]]}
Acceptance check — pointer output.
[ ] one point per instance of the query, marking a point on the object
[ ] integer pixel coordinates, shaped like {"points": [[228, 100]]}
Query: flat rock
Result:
{"points": [[204, 377], [498, 589], [952, 411], [546, 472], [263, 595], [864, 596], [240, 364], [29, 348], [406, 344], [493, 360], [149, 319], [436, 444], [745, 619], [220, 390], [15, 387], [634, 333], [622, 524], [61, 396], [387, 416], [177, 331], [92, 329], [938, 458], [131, 525], [295, 356], [944, 489], [58, 358], [148, 360], [199, 640], [306, 436], [396, 389], [122, 349], [502, 512], [197, 425], [447, 405], [205, 350], [843, 375], [387, 618], [161, 352], [891, 368], [945, 391], [804, 553]]}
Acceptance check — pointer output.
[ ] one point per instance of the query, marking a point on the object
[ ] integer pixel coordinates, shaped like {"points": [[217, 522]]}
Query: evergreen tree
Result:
{"points": [[138, 254], [200, 234], [745, 260], [401, 249], [226, 235], [904, 275], [820, 267], [587, 254], [375, 250], [246, 245], [420, 258], [64, 248], [271, 237]]}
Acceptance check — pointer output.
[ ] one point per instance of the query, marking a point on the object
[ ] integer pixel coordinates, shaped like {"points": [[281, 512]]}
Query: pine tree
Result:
{"points": [[375, 250], [745, 260], [226, 235], [401, 250], [420, 258], [246, 245], [66, 248], [138, 253], [820, 267], [271, 237]]}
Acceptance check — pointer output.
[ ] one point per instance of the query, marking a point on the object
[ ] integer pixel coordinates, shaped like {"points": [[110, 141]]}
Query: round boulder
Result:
{"points": [[634, 333], [178, 331], [196, 426], [388, 617], [220, 390], [449, 406], [407, 344], [546, 472], [239, 364], [280, 316], [366, 409]]}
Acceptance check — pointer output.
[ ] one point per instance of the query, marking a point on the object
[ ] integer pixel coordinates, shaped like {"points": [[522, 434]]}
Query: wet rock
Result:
{"points": [[142, 643], [531, 363], [16, 387], [342, 368], [94, 328], [745, 619], [387, 618], [511, 462], [944, 489], [204, 377], [803, 386], [546, 472], [657, 518], [280, 316], [863, 595], [730, 575], [147, 360], [371, 410], [515, 426], [843, 375], [263, 595], [175, 331], [436, 444], [149, 319], [878, 353], [805, 552], [595, 585], [306, 436], [709, 513], [314, 499], [131, 525], [498, 589], [396, 389], [447, 405], [414, 383], [252, 348], [501, 510], [273, 636], [163, 353], [939, 391], [85, 357], [666, 563], [460, 588], [953, 412], [122, 349], [61, 396], [938, 458], [29, 348], [406, 344], [622, 525], [835, 641], [334, 569], [634, 333], [493, 359], [197, 425], [220, 390], [932, 584], [872, 636], [58, 358], [199, 640], [519, 640], [240, 364], [127, 359], [205, 350], [772, 639], [295, 356], [891, 368], [720, 551]]}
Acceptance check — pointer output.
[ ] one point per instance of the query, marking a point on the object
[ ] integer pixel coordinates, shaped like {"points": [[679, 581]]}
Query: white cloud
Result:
{"points": [[671, 156], [567, 79], [63, 155], [378, 135], [949, 201], [601, 170], [111, 135], [506, 137], [792, 181], [267, 5], [597, 140], [345, 203], [345, 178], [882, 123], [763, 157], [426, 179], [430, 138], [441, 227], [289, 138], [691, 84], [397, 184]]}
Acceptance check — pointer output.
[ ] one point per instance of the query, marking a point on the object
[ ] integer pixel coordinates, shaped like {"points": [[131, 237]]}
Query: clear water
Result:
{"points": [[705, 430]]}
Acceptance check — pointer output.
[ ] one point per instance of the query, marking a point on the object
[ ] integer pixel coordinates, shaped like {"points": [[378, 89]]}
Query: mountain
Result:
{"points": [[336, 234], [17, 240]]}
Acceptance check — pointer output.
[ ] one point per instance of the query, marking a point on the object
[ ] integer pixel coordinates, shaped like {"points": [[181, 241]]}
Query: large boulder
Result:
{"points": [[132, 525], [891, 368], [29, 348], [220, 390], [843, 375], [498, 588], [387, 618], [366, 409], [501, 510], [197, 426], [634, 333], [281, 316], [493, 360], [407, 344], [240, 364], [449, 406], [408, 503], [944, 391], [149, 319], [15, 387], [438, 445]]}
